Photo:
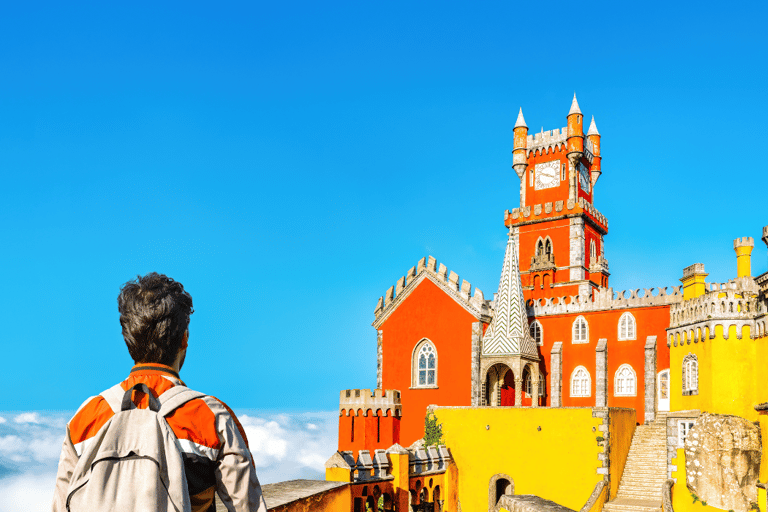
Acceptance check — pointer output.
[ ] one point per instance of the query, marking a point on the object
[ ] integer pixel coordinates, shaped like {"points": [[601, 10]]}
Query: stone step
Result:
{"points": [[643, 477], [632, 505], [632, 487], [640, 495]]}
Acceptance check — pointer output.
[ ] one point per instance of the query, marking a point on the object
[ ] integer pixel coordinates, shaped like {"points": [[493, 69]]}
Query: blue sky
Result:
{"points": [[289, 161]]}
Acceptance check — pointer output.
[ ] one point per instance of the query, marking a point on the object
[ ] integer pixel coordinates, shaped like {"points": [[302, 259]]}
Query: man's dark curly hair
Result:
{"points": [[154, 313]]}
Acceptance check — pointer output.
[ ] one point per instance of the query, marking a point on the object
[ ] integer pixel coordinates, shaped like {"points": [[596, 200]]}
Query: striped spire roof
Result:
{"points": [[508, 333]]}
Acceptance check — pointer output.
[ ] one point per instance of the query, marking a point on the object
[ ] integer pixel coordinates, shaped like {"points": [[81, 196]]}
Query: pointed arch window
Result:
{"points": [[690, 375], [627, 327], [580, 331], [537, 333], [424, 365], [581, 382], [540, 248], [592, 253], [527, 387], [625, 381], [548, 248]]}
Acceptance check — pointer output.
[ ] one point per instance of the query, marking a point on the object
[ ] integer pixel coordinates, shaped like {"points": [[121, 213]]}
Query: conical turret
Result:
{"points": [[519, 156], [508, 333], [593, 146]]}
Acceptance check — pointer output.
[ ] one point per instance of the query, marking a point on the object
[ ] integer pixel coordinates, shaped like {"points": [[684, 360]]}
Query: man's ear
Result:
{"points": [[185, 340]]}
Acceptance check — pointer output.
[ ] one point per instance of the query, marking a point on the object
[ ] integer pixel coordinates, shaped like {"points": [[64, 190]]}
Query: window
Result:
{"points": [[527, 384], [592, 252], [563, 173], [424, 365], [690, 375], [548, 248], [581, 383], [540, 248], [683, 428], [580, 331], [542, 385], [627, 327], [536, 332], [530, 175], [625, 382]]}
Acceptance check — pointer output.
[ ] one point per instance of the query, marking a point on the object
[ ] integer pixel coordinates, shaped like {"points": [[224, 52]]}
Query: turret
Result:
{"points": [[694, 281], [575, 132], [743, 247], [519, 156], [593, 145]]}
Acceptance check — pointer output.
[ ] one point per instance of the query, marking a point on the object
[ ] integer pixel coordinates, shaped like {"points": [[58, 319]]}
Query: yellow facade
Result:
{"points": [[552, 453]]}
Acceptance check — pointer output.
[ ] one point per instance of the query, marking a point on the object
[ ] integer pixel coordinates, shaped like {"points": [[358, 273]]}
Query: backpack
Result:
{"points": [[135, 462]]}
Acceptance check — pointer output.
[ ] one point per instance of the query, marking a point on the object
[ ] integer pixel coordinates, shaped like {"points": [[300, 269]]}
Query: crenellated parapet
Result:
{"points": [[546, 141], [556, 210], [725, 305], [605, 299], [461, 291], [384, 402], [369, 467]]}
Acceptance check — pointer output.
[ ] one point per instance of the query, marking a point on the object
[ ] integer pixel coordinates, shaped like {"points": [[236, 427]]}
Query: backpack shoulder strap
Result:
{"points": [[114, 397], [175, 398]]}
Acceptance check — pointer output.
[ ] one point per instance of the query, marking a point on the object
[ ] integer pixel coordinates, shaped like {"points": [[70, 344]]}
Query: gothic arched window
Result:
{"points": [[627, 329], [690, 375], [537, 333], [625, 381], [424, 365], [540, 248], [548, 248], [581, 383], [580, 333], [592, 253]]}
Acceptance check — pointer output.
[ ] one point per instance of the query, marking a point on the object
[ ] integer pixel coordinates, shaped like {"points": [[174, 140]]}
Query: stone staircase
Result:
{"points": [[645, 471]]}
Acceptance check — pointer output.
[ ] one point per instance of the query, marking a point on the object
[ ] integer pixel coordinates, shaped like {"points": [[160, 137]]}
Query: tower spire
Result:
{"points": [[574, 106], [593, 128], [520, 120], [508, 333]]}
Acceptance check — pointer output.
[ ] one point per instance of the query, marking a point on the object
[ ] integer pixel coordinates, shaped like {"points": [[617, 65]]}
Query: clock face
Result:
{"points": [[547, 174], [583, 177]]}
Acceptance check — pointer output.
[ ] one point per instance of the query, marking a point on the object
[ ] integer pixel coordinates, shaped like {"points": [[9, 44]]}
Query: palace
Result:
{"points": [[559, 388]]}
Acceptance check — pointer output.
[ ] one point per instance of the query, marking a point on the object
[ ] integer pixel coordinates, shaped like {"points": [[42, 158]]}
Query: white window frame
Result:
{"points": [[537, 332], [628, 319], [690, 375], [683, 429], [584, 390], [632, 373], [423, 345], [578, 338]]}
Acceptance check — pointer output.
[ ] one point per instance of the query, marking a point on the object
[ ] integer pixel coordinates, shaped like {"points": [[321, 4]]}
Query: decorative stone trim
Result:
{"points": [[605, 299], [352, 400], [573, 209], [556, 375], [476, 305], [601, 373], [605, 432], [477, 341], [649, 378], [379, 359]]}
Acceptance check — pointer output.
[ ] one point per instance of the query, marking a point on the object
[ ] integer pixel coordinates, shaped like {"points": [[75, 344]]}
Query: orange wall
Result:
{"points": [[428, 312], [374, 431], [547, 195], [649, 321]]}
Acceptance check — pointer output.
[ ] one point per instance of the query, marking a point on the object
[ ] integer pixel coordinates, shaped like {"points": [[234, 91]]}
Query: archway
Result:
{"points": [[499, 385], [499, 485]]}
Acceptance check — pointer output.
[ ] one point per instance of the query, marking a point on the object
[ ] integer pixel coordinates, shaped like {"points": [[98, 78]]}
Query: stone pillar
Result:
{"points": [[535, 386], [379, 359], [518, 391], [650, 379], [556, 375], [576, 235], [476, 387], [601, 373]]}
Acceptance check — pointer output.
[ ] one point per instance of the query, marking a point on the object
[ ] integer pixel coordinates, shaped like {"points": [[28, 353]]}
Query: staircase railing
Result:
{"points": [[666, 496]]}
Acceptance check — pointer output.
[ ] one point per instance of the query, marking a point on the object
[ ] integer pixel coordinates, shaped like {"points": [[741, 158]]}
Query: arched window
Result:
{"points": [[581, 383], [548, 248], [424, 366], [527, 383], [625, 381], [542, 385], [580, 331], [537, 332], [690, 375], [627, 329], [540, 248], [592, 252]]}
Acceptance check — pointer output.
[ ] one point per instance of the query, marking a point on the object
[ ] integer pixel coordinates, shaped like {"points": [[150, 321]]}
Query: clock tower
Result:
{"points": [[558, 232]]}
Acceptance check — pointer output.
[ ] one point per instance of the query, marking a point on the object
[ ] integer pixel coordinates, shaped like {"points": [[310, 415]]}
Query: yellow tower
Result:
{"points": [[743, 247]]}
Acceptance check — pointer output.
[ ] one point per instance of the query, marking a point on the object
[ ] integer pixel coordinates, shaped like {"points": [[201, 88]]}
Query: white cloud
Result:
{"points": [[285, 446], [27, 417]]}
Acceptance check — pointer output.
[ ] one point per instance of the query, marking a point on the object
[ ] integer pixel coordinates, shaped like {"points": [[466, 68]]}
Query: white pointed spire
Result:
{"points": [[574, 106], [520, 120], [593, 128], [508, 333]]}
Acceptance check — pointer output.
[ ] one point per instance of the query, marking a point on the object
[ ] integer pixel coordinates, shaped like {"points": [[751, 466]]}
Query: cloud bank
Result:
{"points": [[284, 446]]}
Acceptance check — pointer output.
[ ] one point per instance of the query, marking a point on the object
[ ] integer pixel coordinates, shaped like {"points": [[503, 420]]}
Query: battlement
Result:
{"points": [[604, 299], [692, 270], [366, 468], [548, 139], [381, 401], [475, 302], [745, 241], [556, 209], [736, 299]]}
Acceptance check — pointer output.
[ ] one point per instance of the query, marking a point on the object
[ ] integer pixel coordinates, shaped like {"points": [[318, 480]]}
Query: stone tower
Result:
{"points": [[558, 232]]}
